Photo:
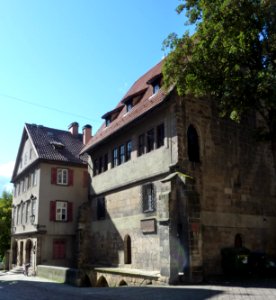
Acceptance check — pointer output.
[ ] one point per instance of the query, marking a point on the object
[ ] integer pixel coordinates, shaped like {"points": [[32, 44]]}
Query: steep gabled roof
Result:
{"points": [[148, 101], [52, 145]]}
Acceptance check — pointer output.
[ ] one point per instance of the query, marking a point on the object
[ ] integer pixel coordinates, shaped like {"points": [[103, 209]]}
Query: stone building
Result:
{"points": [[172, 184], [50, 182]]}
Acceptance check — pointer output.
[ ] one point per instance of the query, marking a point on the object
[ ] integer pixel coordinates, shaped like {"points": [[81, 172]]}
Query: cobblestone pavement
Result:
{"points": [[19, 287]]}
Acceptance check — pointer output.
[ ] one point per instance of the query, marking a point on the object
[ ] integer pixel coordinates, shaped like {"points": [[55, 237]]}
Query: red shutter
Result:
{"points": [[52, 210], [85, 179], [70, 212], [71, 177], [54, 176]]}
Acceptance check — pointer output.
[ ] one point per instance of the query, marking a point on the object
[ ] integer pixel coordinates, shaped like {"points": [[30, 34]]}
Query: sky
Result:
{"points": [[63, 61]]}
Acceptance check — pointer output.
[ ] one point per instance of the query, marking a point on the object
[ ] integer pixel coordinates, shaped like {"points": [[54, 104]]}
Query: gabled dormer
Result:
{"points": [[112, 115], [133, 99], [156, 83]]}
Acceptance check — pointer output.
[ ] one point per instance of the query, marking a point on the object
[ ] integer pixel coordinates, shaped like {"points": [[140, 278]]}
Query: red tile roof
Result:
{"points": [[147, 102]]}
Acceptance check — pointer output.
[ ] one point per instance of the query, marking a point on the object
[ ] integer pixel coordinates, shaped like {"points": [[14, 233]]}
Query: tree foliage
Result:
{"points": [[231, 57], [5, 222]]}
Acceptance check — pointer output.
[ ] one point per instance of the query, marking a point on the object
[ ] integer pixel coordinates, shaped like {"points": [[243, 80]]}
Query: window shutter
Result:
{"points": [[85, 178], [54, 176], [70, 212], [70, 177], [52, 210]]}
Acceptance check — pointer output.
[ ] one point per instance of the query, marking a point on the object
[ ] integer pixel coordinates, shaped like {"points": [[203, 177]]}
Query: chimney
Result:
{"points": [[74, 128], [86, 133]]}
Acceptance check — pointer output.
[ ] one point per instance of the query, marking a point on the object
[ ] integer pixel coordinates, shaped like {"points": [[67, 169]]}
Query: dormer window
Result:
{"points": [[107, 122], [156, 88], [112, 115], [155, 82], [129, 106]]}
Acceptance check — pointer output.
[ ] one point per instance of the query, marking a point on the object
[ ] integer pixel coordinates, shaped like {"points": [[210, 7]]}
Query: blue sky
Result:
{"points": [[73, 60]]}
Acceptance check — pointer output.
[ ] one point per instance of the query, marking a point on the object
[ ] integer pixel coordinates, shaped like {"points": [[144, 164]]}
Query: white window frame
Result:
{"points": [[61, 211], [62, 176]]}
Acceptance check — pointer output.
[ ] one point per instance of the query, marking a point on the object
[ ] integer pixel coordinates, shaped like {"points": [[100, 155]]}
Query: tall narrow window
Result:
{"points": [[28, 211], [115, 159], [101, 210], [100, 165], [127, 249], [35, 177], [150, 140], [122, 154], [141, 144], [160, 135], [156, 88], [128, 150], [129, 106], [238, 240], [193, 144], [95, 167], [105, 164], [107, 121], [148, 197]]}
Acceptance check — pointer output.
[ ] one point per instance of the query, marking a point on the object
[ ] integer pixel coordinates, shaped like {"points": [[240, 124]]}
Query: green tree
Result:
{"points": [[230, 58], [5, 222]]}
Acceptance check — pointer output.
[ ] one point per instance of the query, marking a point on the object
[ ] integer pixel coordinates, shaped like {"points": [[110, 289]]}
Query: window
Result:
{"points": [[22, 217], [28, 211], [101, 211], [122, 154], [29, 181], [127, 249], [193, 145], [61, 211], [95, 167], [156, 88], [62, 176], [100, 165], [59, 249], [105, 164], [129, 106], [160, 135], [115, 159], [148, 197], [17, 214], [33, 210], [128, 150], [141, 144], [107, 122], [35, 177], [31, 154], [150, 140]]}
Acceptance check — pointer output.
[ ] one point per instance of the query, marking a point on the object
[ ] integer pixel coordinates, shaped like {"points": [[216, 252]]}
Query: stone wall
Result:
{"points": [[234, 180]]}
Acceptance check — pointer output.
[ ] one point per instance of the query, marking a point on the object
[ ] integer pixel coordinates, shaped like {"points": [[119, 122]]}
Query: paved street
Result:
{"points": [[19, 287]]}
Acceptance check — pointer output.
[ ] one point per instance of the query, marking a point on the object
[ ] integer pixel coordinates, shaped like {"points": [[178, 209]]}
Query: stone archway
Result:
{"points": [[85, 281], [122, 283], [102, 282]]}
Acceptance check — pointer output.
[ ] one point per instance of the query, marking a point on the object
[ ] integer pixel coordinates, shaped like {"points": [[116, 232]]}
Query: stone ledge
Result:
{"points": [[128, 271]]}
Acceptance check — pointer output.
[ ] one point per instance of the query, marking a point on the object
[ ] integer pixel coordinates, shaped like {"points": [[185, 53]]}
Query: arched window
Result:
{"points": [[238, 240], [127, 249], [193, 144]]}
